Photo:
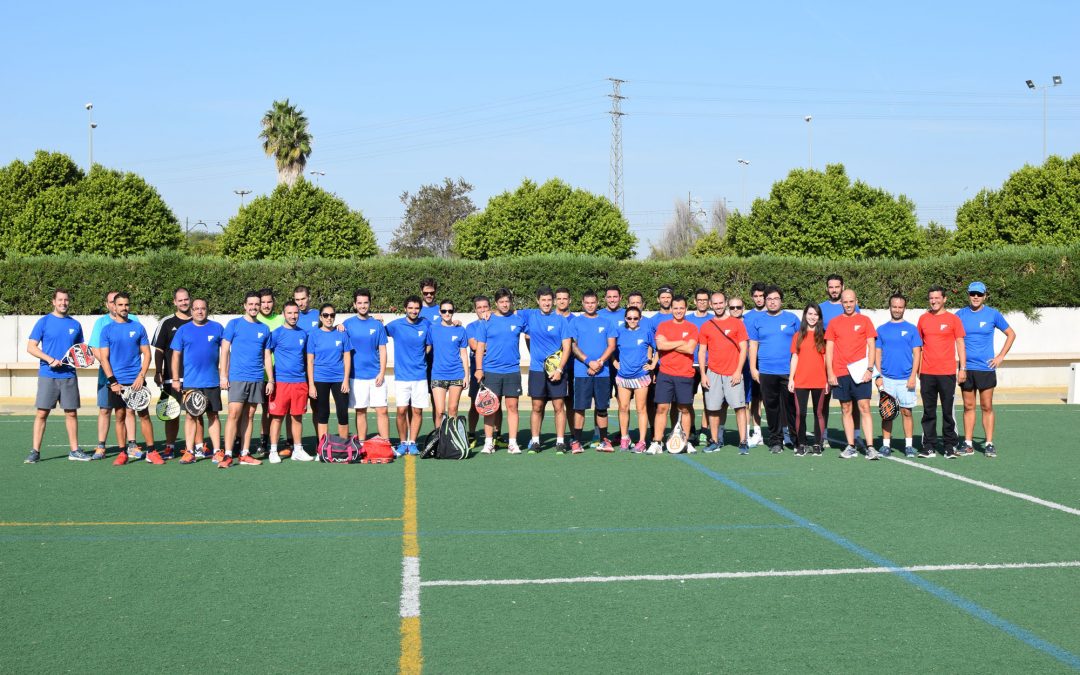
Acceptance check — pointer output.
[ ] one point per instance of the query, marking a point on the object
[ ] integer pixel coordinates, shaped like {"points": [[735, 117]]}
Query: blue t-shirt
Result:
{"points": [[99, 325], [248, 340], [308, 321], [633, 348], [896, 340], [546, 334], [446, 345], [54, 336], [650, 323], [199, 347], [289, 347], [430, 313], [410, 346], [366, 336], [698, 321], [616, 318], [501, 337], [124, 341], [591, 336], [979, 340], [773, 334], [328, 348], [473, 332]]}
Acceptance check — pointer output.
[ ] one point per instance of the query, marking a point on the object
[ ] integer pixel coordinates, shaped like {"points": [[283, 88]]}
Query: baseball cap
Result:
{"points": [[977, 287]]}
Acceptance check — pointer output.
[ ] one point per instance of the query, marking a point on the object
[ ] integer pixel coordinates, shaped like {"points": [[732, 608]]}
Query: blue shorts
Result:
{"points": [[847, 390], [905, 398], [587, 390], [674, 389], [541, 387]]}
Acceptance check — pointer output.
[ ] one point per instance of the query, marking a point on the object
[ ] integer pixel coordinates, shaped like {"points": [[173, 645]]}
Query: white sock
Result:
{"points": [[559, 439], [885, 440], [297, 446], [228, 453], [535, 439], [757, 430], [198, 446], [273, 447], [967, 441], [909, 442]]}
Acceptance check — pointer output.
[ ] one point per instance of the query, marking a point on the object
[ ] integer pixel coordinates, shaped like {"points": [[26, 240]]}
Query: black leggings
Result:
{"points": [[322, 403], [820, 399]]}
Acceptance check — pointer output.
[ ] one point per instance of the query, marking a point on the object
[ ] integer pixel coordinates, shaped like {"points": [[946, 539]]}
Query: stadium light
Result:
{"points": [[1056, 82], [744, 163], [810, 139], [90, 131]]}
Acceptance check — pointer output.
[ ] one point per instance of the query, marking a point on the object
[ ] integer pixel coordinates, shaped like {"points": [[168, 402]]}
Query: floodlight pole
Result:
{"points": [[810, 138], [90, 133], [745, 163], [242, 192], [1055, 82]]}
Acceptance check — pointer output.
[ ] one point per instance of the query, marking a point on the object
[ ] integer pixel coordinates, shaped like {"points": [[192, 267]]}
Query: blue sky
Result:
{"points": [[925, 99]]}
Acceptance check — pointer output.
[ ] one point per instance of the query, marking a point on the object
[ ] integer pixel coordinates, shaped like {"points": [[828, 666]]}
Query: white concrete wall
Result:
{"points": [[1040, 356]]}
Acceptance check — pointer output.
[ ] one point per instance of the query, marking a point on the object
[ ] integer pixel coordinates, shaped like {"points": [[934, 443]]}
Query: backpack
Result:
{"points": [[337, 450], [447, 441], [377, 450]]}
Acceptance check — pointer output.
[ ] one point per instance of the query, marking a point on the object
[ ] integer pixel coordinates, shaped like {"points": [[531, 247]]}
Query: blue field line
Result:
{"points": [[975, 610], [246, 536]]}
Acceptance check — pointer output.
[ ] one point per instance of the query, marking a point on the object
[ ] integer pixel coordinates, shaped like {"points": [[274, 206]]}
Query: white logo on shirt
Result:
{"points": [[903, 333], [640, 340], [943, 326], [301, 342], [727, 331], [371, 331], [685, 334], [71, 331], [601, 330], [981, 324], [513, 327], [209, 338], [621, 323], [550, 328], [858, 327], [783, 327], [419, 333], [131, 334], [454, 338]]}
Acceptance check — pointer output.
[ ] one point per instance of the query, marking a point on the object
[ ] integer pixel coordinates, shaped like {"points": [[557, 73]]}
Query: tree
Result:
{"points": [[679, 235], [1037, 205], [824, 214], [549, 218], [50, 206], [286, 139], [302, 221], [937, 239], [427, 229]]}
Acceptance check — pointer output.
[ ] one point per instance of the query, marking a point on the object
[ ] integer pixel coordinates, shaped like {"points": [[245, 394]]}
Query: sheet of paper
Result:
{"points": [[857, 369]]}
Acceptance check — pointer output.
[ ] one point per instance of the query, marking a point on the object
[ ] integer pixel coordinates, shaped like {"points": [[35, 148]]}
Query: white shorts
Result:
{"points": [[412, 393], [905, 398], [364, 394]]}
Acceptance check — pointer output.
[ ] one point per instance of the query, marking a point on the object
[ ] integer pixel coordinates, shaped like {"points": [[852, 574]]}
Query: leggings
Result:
{"points": [[322, 404], [820, 399]]}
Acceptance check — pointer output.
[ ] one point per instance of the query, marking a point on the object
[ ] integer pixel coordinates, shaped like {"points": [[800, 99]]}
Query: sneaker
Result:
{"points": [[926, 452], [575, 448], [754, 440], [301, 455], [744, 449], [885, 451], [403, 449], [871, 453], [169, 453], [474, 440], [989, 450], [950, 453], [605, 446], [817, 450], [121, 459], [248, 460], [776, 449], [275, 458], [99, 453], [203, 454], [624, 443], [187, 458], [690, 449], [76, 455], [966, 449], [788, 442], [259, 452], [800, 451], [225, 463], [414, 449], [702, 439], [219, 457], [655, 449], [825, 444], [534, 447], [639, 447], [155, 458], [711, 447], [909, 451], [489, 447], [286, 453], [33, 458], [849, 452], [511, 448], [135, 452], [560, 448]]}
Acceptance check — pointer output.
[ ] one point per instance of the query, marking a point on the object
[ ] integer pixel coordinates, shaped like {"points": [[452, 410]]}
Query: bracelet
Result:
{"points": [[111, 380]]}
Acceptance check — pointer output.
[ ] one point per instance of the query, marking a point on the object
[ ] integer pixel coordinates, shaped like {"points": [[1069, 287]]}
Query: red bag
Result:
{"points": [[377, 450]]}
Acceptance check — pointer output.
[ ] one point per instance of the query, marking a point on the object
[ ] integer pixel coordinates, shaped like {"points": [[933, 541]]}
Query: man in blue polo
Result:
{"points": [[546, 333], [368, 386], [195, 350], [770, 335], [482, 309], [244, 362], [287, 391], [412, 341], [125, 358], [498, 366], [50, 339], [981, 322], [104, 412], [898, 355], [593, 344]]}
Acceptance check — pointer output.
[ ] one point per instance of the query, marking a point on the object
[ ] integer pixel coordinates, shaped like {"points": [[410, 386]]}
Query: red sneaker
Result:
{"points": [[121, 459], [285, 453], [225, 462], [154, 457], [188, 458], [219, 456], [248, 460], [576, 449]]}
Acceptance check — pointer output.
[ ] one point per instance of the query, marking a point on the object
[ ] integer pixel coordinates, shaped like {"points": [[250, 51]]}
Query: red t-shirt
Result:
{"points": [[849, 335], [672, 362], [810, 371], [721, 337], [939, 334]]}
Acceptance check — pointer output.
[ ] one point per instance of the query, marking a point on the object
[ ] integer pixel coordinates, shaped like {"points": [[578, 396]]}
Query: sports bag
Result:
{"points": [[337, 450], [377, 450], [453, 439]]}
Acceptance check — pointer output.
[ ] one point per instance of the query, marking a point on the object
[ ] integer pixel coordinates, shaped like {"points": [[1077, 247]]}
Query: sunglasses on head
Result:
{"points": [[328, 315]]}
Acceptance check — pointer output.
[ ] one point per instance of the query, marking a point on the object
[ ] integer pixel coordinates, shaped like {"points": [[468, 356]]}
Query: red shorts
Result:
{"points": [[289, 398]]}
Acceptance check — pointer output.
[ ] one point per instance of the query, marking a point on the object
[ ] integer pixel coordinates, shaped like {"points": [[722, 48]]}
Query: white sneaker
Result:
{"points": [[512, 448], [301, 455], [754, 439], [654, 449], [275, 458], [690, 449], [489, 447]]}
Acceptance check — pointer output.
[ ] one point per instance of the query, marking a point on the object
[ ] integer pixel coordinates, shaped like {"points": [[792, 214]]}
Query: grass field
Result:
{"points": [[591, 563]]}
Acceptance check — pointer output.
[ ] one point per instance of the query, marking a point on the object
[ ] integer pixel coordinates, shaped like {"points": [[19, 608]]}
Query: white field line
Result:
{"points": [[747, 575], [410, 586]]}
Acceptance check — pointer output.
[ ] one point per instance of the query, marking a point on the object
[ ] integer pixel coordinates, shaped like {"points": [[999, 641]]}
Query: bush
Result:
{"points": [[1021, 278]]}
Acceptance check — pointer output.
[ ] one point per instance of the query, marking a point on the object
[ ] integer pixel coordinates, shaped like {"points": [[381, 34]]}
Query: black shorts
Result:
{"points": [[674, 389], [979, 380], [541, 387], [213, 398]]}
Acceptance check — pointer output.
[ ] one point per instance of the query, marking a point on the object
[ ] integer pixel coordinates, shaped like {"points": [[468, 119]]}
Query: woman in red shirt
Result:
{"points": [[808, 379]]}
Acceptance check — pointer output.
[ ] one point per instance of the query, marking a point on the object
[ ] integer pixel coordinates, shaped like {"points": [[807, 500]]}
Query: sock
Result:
{"points": [[757, 430], [560, 439], [909, 442], [169, 446], [534, 439], [967, 441], [245, 453], [297, 446], [720, 435], [603, 434], [228, 453], [101, 444], [273, 447], [576, 435], [885, 440], [198, 447]]}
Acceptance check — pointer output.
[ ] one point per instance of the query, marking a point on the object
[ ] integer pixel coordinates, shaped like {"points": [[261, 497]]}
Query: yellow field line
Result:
{"points": [[412, 659], [277, 521]]}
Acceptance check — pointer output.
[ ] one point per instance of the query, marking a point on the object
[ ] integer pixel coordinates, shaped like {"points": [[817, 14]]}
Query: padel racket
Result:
{"points": [[486, 402], [136, 399], [551, 363], [168, 408], [194, 402], [79, 355], [676, 442], [887, 406]]}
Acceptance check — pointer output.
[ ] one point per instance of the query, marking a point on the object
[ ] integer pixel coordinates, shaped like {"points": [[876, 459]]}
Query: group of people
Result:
{"points": [[737, 357]]}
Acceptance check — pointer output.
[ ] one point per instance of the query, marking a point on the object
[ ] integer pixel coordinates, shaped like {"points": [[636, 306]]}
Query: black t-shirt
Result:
{"points": [[163, 338]]}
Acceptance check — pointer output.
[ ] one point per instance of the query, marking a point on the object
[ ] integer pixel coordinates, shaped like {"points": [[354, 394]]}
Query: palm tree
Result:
{"points": [[286, 138]]}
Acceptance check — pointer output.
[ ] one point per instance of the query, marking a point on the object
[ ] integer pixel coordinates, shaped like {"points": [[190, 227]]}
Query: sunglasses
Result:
{"points": [[446, 311], [735, 308], [327, 315], [976, 294], [427, 293], [633, 318]]}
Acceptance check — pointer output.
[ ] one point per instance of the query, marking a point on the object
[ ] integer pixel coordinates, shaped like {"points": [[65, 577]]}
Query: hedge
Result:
{"points": [[1019, 278]]}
